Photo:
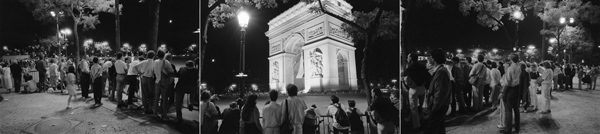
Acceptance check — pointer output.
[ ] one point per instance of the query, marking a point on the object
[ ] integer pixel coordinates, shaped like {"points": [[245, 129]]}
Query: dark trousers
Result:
{"points": [[17, 82], [511, 108], [468, 94], [112, 85], [133, 87], [436, 122], [569, 82], [104, 79], [97, 87], [486, 92], [85, 84], [147, 93], [340, 131], [525, 98], [457, 97], [179, 96], [160, 99], [42, 77]]}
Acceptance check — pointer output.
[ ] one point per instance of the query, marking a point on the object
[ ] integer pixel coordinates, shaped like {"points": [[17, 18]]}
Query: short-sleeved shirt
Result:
{"points": [[121, 67]]}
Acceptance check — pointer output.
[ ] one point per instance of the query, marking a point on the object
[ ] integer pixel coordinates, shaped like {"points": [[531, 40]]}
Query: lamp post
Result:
{"points": [[64, 32], [243, 18], [563, 22]]}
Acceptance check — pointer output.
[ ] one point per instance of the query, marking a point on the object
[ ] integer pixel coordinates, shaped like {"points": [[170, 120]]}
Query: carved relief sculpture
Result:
{"points": [[316, 60], [275, 72]]}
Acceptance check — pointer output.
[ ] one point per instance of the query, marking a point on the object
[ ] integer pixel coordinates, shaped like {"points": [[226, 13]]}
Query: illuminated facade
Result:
{"points": [[310, 50]]}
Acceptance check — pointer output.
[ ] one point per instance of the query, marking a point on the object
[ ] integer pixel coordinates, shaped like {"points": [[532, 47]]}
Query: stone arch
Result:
{"points": [[293, 45], [343, 69]]}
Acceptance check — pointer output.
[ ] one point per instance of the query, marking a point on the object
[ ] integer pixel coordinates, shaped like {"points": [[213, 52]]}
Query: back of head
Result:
{"points": [[273, 95], [119, 55], [205, 96], [514, 58], [233, 105], [334, 99], [95, 60], [351, 103], [71, 69], [480, 58], [469, 60], [150, 54], [189, 63], [292, 90], [377, 92], [168, 56], [438, 56], [160, 54], [455, 59], [414, 58], [494, 65]]}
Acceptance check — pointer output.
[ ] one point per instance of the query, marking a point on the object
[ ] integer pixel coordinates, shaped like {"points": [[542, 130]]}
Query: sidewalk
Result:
{"points": [[21, 111]]}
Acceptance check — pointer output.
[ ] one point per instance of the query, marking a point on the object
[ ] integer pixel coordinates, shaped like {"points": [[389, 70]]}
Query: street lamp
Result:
{"points": [[459, 50], [563, 21], [243, 18], [531, 47], [495, 50], [65, 32]]}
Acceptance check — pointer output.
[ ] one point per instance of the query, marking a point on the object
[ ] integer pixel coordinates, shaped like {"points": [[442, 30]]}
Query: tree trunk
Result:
{"points": [[76, 39], [154, 11], [118, 27]]}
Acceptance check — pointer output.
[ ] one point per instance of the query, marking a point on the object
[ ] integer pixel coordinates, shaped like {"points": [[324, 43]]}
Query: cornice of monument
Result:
{"points": [[300, 14]]}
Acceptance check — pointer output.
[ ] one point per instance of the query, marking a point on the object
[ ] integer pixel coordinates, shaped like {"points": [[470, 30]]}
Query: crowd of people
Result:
{"points": [[293, 116], [463, 86], [153, 73]]}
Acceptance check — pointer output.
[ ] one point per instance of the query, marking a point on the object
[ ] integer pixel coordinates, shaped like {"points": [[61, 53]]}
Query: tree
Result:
{"points": [[83, 12], [53, 44], [568, 37], [491, 12]]}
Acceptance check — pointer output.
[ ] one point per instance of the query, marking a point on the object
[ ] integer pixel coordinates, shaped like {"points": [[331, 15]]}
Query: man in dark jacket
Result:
{"points": [[569, 74], [467, 87], [457, 95], [16, 71], [438, 95], [40, 66]]}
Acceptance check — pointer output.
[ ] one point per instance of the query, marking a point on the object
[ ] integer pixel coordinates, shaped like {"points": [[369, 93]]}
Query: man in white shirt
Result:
{"points": [[85, 79], [161, 66], [132, 84], [272, 115], [147, 79], [121, 68], [495, 85], [332, 110], [296, 109]]}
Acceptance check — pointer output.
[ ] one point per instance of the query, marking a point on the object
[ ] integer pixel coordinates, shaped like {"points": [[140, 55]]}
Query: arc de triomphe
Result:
{"points": [[311, 50]]}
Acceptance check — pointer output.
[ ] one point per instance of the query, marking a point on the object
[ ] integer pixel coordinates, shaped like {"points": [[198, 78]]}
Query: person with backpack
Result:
{"points": [[356, 124], [311, 122], [341, 121]]}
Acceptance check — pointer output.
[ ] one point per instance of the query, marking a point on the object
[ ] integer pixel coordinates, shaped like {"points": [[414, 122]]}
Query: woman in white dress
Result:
{"points": [[7, 77], [70, 79]]}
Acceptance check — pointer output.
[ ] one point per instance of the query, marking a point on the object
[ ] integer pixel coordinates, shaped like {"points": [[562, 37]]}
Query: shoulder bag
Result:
{"points": [[286, 127]]}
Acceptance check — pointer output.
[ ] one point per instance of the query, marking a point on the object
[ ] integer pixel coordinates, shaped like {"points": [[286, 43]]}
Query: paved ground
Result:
{"points": [[20, 111], [573, 111]]}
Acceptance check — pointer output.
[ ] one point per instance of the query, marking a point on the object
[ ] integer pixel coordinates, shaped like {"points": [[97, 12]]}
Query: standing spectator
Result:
{"points": [[6, 77], [112, 79], [171, 87], [524, 86], [510, 94], [295, 107], [580, 74], [495, 76], [105, 76], [70, 78], [381, 110], [163, 71], [569, 74], [501, 68], [479, 71], [438, 95], [339, 125], [356, 124], [311, 123], [209, 114], [416, 79], [231, 120], [132, 81], [16, 71], [148, 83], [546, 85], [272, 114], [595, 72], [96, 73], [187, 84], [486, 88], [533, 86], [557, 72], [53, 73], [250, 123], [121, 69], [457, 97], [214, 99], [85, 78], [40, 66], [467, 87]]}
